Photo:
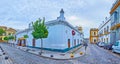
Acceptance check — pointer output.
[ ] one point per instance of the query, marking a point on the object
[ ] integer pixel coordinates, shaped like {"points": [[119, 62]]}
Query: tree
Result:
{"points": [[25, 36], [6, 38], [11, 37], [1, 31], [40, 31]]}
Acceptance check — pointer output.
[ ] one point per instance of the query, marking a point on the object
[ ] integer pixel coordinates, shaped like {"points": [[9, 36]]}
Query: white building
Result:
{"points": [[104, 31], [60, 36]]}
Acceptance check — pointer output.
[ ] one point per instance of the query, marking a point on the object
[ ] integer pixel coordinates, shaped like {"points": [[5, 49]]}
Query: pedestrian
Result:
{"points": [[85, 45]]}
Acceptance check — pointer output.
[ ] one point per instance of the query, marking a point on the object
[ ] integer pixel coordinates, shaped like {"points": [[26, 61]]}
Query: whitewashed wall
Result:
{"points": [[57, 38]]}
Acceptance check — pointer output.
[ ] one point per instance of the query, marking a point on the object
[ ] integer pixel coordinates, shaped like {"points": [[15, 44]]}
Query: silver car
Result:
{"points": [[116, 47]]}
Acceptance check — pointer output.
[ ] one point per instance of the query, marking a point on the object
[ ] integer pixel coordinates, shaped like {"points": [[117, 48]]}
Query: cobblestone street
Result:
{"points": [[97, 55], [21, 57], [94, 55]]}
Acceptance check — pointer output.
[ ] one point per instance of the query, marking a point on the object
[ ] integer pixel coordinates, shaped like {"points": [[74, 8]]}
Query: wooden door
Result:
{"points": [[33, 42], [20, 43], [68, 43], [24, 42]]}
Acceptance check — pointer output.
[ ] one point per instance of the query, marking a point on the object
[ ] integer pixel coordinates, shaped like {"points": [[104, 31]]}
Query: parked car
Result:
{"points": [[97, 43], [116, 47], [108, 46], [101, 44]]}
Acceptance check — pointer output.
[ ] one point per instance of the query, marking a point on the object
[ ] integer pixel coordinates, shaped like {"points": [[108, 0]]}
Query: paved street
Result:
{"points": [[94, 55], [21, 57], [97, 55]]}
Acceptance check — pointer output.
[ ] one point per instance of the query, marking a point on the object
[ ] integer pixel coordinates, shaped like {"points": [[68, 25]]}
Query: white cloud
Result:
{"points": [[109, 1], [18, 13], [76, 21], [80, 21], [14, 24]]}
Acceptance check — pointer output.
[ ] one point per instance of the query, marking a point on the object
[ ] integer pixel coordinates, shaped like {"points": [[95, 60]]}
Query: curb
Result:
{"points": [[51, 57]]}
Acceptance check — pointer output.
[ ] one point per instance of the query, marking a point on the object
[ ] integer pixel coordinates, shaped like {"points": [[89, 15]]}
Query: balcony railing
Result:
{"points": [[115, 26], [106, 33], [115, 6], [114, 3], [101, 35]]}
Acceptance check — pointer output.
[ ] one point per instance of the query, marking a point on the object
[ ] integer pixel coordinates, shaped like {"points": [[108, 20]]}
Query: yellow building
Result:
{"points": [[93, 35], [8, 32]]}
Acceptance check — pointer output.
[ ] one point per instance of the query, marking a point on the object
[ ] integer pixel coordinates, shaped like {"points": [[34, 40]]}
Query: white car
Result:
{"points": [[116, 47], [101, 44]]}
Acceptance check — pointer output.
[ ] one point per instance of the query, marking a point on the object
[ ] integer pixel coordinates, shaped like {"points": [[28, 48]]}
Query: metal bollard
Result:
{"points": [[51, 56], [6, 57], [71, 55], [40, 53], [27, 50], [4, 53]]}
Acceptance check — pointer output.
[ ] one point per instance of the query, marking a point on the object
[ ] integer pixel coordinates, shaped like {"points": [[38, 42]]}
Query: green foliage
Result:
{"points": [[11, 37], [39, 29], [6, 38], [1, 31], [25, 36]]}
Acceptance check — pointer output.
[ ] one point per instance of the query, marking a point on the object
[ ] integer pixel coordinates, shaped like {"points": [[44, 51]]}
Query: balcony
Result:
{"points": [[101, 35], [106, 33], [115, 26], [115, 6]]}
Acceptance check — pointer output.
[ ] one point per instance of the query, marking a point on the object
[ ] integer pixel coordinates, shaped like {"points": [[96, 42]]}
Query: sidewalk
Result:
{"points": [[74, 53]]}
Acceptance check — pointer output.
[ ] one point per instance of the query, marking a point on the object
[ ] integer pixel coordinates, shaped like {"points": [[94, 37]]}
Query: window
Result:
{"points": [[104, 30], [94, 33], [77, 41], [115, 16], [107, 28], [74, 42], [3, 34], [104, 39], [107, 40], [0, 38]]}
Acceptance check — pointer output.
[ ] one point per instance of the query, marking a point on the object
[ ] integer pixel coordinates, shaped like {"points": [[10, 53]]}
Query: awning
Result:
{"points": [[22, 38]]}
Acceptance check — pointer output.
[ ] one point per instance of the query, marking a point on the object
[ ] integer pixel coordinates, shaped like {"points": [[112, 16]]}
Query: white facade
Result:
{"points": [[104, 31], [59, 37]]}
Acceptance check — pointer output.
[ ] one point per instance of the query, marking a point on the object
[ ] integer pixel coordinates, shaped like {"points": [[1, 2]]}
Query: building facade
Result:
{"points": [[8, 32], [93, 35], [115, 21], [60, 37], [104, 31]]}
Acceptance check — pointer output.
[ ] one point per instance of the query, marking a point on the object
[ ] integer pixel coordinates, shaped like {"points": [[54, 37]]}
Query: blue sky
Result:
{"points": [[86, 13]]}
